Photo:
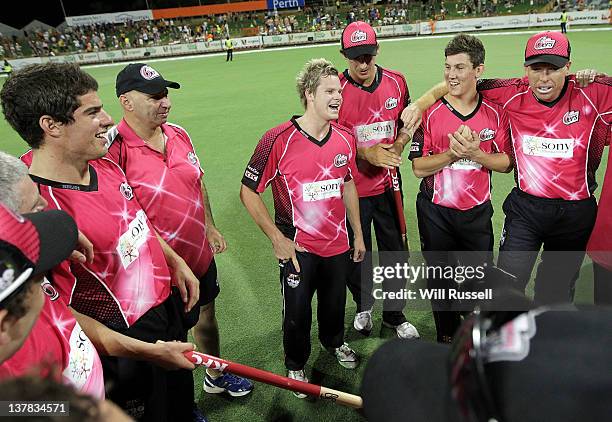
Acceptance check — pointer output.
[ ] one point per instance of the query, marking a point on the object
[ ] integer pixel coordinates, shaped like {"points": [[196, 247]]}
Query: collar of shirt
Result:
{"points": [[132, 140]]}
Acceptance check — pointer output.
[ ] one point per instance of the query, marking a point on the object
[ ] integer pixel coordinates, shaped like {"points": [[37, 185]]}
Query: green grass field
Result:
{"points": [[226, 107]]}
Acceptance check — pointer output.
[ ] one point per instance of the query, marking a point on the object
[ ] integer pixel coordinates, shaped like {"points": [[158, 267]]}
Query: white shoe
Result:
{"points": [[300, 376], [363, 322], [405, 330], [345, 355]]}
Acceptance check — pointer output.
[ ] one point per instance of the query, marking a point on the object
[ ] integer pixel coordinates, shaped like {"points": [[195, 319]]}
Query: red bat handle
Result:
{"points": [[254, 373], [399, 206], [223, 365]]}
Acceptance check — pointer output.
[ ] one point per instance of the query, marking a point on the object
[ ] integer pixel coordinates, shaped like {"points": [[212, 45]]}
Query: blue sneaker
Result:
{"points": [[198, 416], [235, 386]]}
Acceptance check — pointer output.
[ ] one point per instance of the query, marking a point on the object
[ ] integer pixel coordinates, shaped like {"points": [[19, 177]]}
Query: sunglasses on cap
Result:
{"points": [[468, 379], [13, 274]]}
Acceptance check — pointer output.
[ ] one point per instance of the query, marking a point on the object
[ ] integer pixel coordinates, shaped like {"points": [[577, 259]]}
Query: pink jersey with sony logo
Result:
{"points": [[463, 184], [57, 342], [307, 178], [129, 274], [373, 114], [168, 186], [556, 149]]}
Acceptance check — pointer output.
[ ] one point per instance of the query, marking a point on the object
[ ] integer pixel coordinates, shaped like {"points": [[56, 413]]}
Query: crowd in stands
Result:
{"points": [[579, 5], [100, 37], [92, 38]]}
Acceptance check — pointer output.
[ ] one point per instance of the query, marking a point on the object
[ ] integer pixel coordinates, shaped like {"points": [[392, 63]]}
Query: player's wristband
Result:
{"points": [[406, 132]]}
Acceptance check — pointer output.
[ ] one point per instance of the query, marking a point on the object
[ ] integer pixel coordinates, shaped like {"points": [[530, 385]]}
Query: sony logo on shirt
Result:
{"points": [[375, 131], [464, 164], [81, 357], [323, 189], [131, 241], [546, 147]]}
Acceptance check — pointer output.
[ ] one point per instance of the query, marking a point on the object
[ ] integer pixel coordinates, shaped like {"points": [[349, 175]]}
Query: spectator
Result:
{"points": [[7, 68]]}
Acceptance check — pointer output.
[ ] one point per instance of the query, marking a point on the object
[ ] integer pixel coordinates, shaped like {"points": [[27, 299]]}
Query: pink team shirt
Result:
{"points": [[463, 184], [57, 342], [168, 188], [307, 178], [556, 154], [129, 274], [373, 115]]}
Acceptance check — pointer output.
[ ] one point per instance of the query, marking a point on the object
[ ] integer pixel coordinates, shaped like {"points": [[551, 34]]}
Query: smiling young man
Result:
{"points": [[556, 152], [310, 162], [163, 169], [128, 286], [461, 140], [373, 99], [57, 339]]}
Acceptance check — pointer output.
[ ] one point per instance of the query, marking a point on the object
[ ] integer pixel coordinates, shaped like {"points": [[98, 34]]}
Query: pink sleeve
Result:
{"points": [[262, 167], [603, 87], [503, 141], [421, 140], [501, 90]]}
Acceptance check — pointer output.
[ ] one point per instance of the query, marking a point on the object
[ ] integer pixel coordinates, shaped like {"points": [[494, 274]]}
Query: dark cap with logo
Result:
{"points": [[548, 47], [548, 364], [142, 78], [31, 245], [359, 39]]}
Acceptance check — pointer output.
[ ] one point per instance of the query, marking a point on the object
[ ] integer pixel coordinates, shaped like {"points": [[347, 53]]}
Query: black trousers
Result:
{"points": [[444, 232], [326, 276], [380, 211], [145, 391], [562, 227], [230, 55]]}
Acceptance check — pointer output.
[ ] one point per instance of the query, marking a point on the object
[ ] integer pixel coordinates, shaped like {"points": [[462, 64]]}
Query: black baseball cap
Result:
{"points": [[547, 364], [142, 78], [31, 245]]}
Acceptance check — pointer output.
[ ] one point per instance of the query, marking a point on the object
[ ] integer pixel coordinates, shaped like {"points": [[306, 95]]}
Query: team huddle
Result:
{"points": [[129, 202]]}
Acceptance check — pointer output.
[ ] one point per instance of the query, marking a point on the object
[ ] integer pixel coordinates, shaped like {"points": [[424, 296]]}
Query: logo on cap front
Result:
{"points": [[544, 43], [6, 278], [358, 36], [148, 73]]}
